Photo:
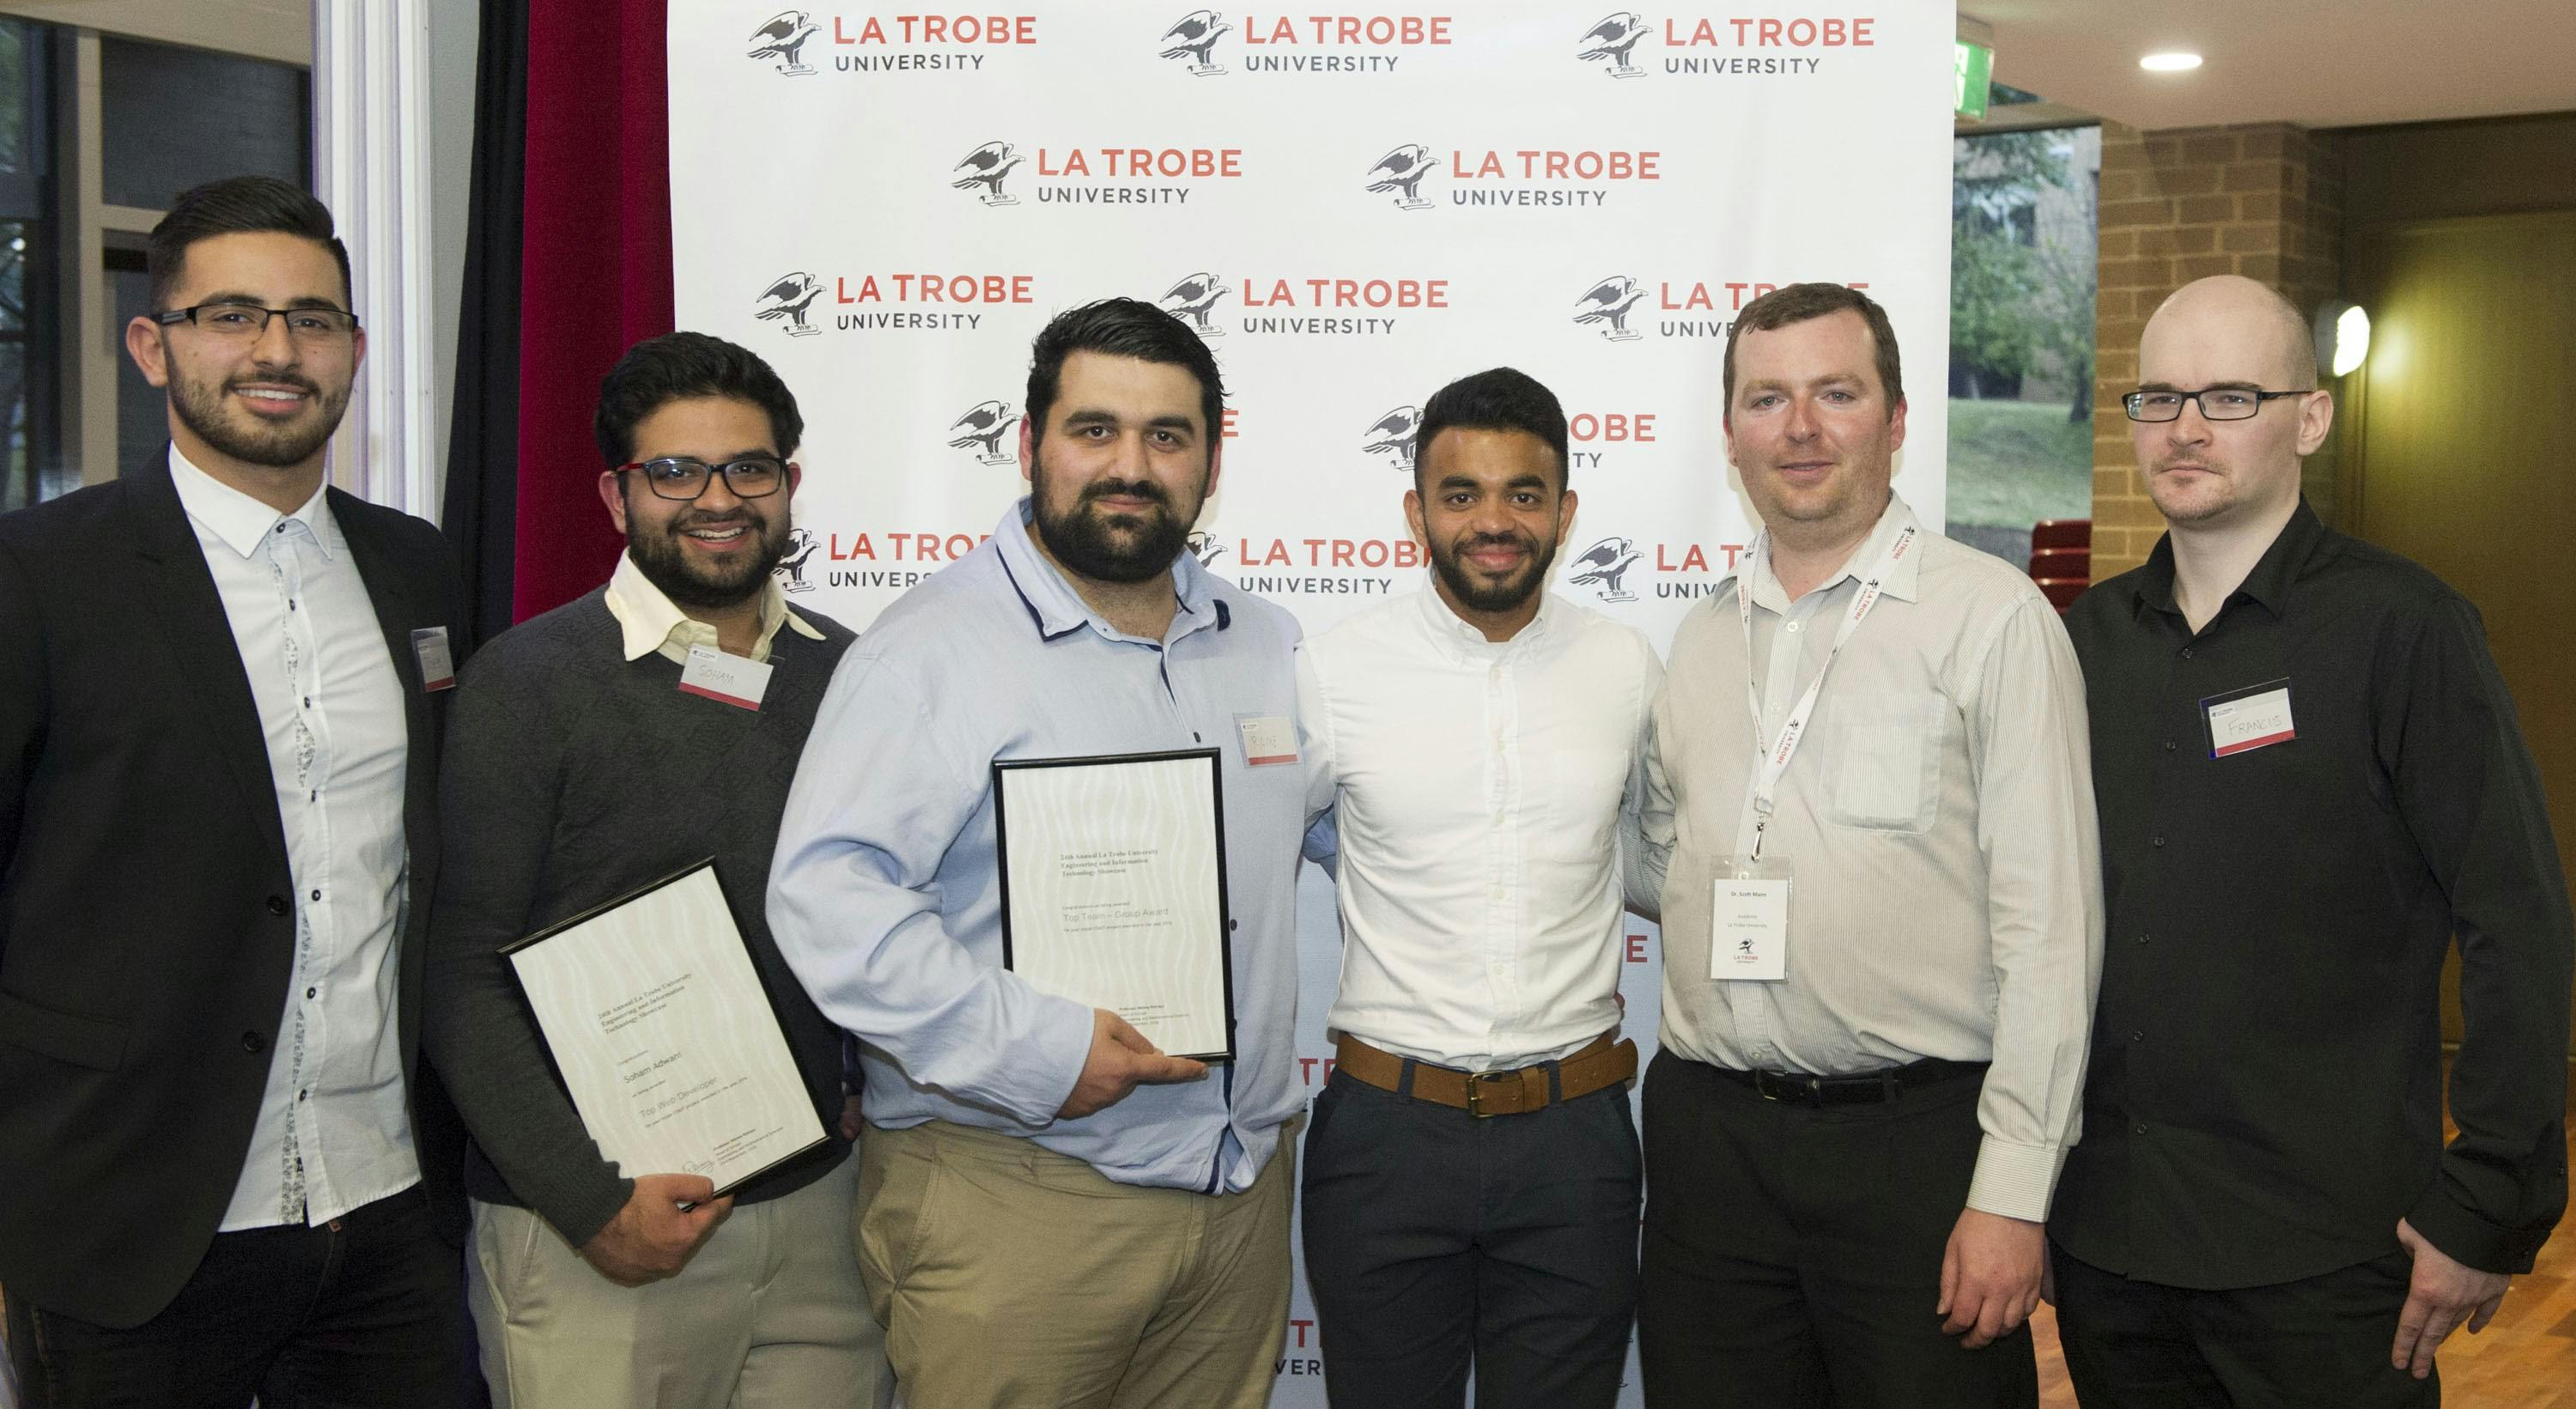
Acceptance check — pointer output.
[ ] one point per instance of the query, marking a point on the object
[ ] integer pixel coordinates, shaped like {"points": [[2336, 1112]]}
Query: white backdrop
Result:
{"points": [[1354, 209]]}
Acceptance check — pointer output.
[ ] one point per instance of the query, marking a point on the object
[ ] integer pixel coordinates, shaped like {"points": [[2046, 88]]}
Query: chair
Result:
{"points": [[2062, 591], [2062, 562], [2061, 533]]}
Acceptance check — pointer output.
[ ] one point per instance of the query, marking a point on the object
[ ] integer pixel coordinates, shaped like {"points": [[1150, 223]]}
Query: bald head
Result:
{"points": [[2244, 319]]}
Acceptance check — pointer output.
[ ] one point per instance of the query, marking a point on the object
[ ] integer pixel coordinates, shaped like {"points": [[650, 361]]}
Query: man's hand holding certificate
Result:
{"points": [[665, 1039], [1113, 894]]}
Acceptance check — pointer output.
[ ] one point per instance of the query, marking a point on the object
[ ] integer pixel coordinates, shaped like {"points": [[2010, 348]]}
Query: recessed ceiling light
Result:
{"points": [[2169, 63]]}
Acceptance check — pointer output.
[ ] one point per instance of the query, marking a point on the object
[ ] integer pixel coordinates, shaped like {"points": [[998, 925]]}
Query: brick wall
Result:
{"points": [[2264, 201]]}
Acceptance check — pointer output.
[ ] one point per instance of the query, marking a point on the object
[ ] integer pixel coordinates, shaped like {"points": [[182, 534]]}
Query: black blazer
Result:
{"points": [[146, 927]]}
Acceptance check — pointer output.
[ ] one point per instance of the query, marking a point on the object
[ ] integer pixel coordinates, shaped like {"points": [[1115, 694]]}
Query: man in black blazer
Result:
{"points": [[223, 1172]]}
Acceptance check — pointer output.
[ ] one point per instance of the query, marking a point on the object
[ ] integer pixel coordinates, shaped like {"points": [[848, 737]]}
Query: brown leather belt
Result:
{"points": [[1537, 1086]]}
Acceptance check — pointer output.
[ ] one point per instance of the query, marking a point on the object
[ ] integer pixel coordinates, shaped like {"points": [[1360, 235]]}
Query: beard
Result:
{"points": [[1485, 595], [665, 564], [202, 407], [1109, 547]]}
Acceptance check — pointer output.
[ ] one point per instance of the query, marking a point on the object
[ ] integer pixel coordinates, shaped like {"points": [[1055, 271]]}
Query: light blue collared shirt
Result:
{"points": [[885, 898]]}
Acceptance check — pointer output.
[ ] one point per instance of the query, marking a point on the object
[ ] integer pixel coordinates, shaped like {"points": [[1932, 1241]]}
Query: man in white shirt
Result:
{"points": [[217, 841], [1472, 1171], [1869, 820]]}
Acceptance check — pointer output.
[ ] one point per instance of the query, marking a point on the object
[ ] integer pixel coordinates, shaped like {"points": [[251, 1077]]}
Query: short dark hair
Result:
{"points": [[237, 205], [1796, 303], [676, 367], [1497, 399], [1120, 327]]}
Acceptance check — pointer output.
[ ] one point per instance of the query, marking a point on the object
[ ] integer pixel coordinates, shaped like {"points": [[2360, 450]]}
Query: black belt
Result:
{"points": [[1875, 1087]]}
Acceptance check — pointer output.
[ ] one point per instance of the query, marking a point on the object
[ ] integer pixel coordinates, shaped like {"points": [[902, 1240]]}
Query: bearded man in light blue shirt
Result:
{"points": [[1053, 1211]]}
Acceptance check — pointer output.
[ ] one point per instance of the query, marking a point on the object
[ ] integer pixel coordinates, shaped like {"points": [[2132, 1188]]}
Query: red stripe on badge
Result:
{"points": [[2242, 745], [739, 703], [1272, 758]]}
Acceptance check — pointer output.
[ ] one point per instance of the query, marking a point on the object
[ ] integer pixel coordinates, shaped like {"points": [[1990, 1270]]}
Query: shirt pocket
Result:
{"points": [[1883, 761]]}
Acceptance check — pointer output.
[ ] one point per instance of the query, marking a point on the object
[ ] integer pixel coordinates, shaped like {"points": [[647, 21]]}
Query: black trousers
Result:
{"points": [[1434, 1238], [366, 1311], [1792, 1253], [2317, 1343]]}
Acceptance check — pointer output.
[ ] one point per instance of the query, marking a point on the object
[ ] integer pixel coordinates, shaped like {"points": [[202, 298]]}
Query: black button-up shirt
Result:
{"points": [[2264, 1099]]}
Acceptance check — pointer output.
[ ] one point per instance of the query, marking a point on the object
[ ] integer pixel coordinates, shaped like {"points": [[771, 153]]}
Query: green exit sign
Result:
{"points": [[1976, 72]]}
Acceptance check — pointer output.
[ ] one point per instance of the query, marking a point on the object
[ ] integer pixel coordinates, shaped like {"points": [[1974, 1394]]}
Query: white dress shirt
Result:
{"points": [[1477, 788], [333, 1131], [648, 621], [1938, 822]]}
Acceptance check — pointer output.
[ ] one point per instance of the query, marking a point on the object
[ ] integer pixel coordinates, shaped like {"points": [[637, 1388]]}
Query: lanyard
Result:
{"points": [[1775, 762]]}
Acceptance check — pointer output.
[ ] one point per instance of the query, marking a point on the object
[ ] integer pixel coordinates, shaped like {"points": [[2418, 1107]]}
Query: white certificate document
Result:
{"points": [[664, 1036], [1113, 890]]}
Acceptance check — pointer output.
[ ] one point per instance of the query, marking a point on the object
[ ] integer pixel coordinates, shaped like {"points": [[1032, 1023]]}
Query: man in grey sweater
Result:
{"points": [[586, 757]]}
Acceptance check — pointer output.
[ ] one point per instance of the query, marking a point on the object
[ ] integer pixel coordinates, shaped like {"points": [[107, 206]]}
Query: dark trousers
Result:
{"points": [[365, 1311], [2317, 1343], [1792, 1253], [1434, 1238]]}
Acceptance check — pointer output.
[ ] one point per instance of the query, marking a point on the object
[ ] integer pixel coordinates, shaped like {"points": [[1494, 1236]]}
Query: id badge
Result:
{"points": [[437, 663], [736, 680], [1749, 919], [2251, 718]]}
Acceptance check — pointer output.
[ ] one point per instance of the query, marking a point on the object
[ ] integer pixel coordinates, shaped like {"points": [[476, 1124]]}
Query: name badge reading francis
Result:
{"points": [[2249, 718], [736, 680], [1748, 930]]}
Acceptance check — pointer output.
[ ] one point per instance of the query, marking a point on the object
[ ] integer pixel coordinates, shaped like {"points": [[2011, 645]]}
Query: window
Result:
{"points": [[2023, 240]]}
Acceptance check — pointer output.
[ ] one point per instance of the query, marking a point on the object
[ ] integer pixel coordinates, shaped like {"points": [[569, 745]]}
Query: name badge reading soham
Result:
{"points": [[736, 680], [2252, 718]]}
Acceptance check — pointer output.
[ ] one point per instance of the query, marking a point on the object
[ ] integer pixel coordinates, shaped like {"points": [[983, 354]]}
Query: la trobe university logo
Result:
{"points": [[1613, 44], [787, 300], [985, 169], [1193, 37], [1606, 306], [1601, 566], [1399, 173], [782, 38], [1193, 298], [982, 428], [1391, 435]]}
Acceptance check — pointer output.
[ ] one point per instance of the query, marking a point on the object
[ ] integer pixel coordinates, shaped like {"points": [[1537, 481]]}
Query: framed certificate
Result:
{"points": [[1113, 890], [664, 1037]]}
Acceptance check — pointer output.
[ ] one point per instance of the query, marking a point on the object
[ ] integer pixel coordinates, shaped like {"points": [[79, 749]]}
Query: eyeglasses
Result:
{"points": [[247, 322], [682, 478], [2216, 403]]}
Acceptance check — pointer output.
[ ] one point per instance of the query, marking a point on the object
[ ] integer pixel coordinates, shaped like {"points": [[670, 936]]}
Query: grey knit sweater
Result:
{"points": [[570, 777]]}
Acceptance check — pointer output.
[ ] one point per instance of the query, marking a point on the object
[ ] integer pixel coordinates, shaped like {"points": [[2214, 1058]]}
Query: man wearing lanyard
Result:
{"points": [[1869, 823], [1472, 1175], [2311, 780], [1055, 1212]]}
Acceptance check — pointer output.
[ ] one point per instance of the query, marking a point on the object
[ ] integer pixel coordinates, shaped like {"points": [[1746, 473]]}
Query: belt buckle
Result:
{"points": [[1475, 1085]]}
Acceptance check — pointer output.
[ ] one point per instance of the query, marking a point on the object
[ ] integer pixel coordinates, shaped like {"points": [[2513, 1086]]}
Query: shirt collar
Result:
{"points": [[1057, 610], [1468, 640], [242, 521], [2269, 582], [646, 615], [1903, 581]]}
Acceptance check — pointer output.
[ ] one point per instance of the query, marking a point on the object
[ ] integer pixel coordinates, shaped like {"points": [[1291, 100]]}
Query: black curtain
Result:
{"points": [[480, 516]]}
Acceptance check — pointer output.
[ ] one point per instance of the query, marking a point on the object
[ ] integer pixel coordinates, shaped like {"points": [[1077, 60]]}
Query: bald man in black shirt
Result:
{"points": [[2310, 779]]}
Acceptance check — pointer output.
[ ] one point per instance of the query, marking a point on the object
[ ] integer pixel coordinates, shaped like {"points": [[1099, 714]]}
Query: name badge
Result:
{"points": [[736, 680], [437, 664], [2249, 718], [1267, 739], [1749, 924]]}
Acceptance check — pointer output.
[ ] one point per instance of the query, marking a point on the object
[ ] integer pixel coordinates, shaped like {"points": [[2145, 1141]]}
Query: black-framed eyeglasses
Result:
{"points": [[2217, 403], [684, 478], [248, 321]]}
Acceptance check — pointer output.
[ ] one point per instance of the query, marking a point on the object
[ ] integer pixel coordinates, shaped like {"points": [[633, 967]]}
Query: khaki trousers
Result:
{"points": [[770, 1314], [1009, 1277]]}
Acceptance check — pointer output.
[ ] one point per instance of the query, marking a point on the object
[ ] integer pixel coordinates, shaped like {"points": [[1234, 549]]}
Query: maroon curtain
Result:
{"points": [[596, 269]]}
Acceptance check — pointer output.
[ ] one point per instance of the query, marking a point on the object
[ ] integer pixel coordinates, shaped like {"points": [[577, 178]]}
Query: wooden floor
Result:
{"points": [[2524, 1359]]}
